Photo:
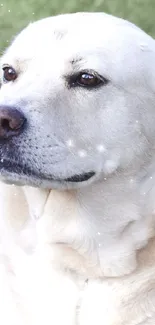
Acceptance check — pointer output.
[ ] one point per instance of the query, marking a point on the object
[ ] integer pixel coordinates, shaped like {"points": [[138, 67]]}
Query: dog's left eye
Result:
{"points": [[9, 74], [87, 79]]}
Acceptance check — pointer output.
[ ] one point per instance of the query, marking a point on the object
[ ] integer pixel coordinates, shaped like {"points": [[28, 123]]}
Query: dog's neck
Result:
{"points": [[101, 227]]}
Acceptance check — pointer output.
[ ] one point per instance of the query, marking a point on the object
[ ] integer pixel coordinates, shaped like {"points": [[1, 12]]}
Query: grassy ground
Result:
{"points": [[16, 14]]}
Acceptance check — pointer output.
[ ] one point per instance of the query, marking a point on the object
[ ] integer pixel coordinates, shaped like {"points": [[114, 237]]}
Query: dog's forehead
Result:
{"points": [[80, 36]]}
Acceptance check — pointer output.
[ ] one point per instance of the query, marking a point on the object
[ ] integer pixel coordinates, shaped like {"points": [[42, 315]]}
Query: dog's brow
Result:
{"points": [[76, 60], [15, 62]]}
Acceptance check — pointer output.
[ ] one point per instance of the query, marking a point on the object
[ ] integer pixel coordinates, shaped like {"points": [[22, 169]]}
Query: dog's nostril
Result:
{"points": [[5, 124], [11, 122]]}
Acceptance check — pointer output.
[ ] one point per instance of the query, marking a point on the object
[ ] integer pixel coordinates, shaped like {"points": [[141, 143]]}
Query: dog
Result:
{"points": [[77, 170]]}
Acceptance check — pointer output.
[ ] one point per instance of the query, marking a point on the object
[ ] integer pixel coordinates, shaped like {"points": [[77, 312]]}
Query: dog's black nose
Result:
{"points": [[11, 122]]}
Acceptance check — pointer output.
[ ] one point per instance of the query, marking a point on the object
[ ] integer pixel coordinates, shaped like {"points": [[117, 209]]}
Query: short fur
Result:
{"points": [[79, 252]]}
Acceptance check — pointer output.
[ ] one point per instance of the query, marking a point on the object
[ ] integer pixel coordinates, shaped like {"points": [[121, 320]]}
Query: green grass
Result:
{"points": [[16, 14]]}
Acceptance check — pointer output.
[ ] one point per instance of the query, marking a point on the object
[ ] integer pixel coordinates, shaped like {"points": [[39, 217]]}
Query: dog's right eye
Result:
{"points": [[9, 74], [88, 79]]}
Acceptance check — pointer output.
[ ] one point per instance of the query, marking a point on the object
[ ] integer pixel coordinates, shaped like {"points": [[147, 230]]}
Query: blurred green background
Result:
{"points": [[16, 14]]}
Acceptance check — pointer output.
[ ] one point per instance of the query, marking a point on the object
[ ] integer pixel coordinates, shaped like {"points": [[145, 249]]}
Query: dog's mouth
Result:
{"points": [[12, 172], [80, 178]]}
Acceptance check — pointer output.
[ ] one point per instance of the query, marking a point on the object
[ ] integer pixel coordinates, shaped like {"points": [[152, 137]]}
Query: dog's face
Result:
{"points": [[77, 101]]}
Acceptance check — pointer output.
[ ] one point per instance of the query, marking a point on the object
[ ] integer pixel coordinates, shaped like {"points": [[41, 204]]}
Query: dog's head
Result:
{"points": [[77, 101]]}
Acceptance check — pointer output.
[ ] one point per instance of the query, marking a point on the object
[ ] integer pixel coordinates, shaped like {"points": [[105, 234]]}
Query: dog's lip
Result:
{"points": [[80, 178], [15, 168]]}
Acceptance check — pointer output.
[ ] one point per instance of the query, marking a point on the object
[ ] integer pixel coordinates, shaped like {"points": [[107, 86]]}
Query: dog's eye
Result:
{"points": [[9, 74], [87, 79]]}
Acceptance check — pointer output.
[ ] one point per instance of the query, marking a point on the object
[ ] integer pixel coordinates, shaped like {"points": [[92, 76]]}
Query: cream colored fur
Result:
{"points": [[35, 286], [80, 254]]}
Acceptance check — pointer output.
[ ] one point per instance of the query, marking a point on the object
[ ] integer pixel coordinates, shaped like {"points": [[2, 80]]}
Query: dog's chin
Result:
{"points": [[21, 176]]}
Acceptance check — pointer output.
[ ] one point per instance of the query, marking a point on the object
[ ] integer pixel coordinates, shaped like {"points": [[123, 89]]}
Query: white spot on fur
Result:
{"points": [[70, 143], [99, 233], [137, 126], [2, 160], [110, 166], [101, 148], [82, 153]]}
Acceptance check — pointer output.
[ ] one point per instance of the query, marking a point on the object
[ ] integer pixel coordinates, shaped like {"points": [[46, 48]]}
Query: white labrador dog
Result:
{"points": [[77, 140]]}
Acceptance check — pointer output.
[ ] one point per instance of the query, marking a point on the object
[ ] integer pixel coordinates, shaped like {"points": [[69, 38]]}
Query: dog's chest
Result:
{"points": [[36, 294], [118, 302]]}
